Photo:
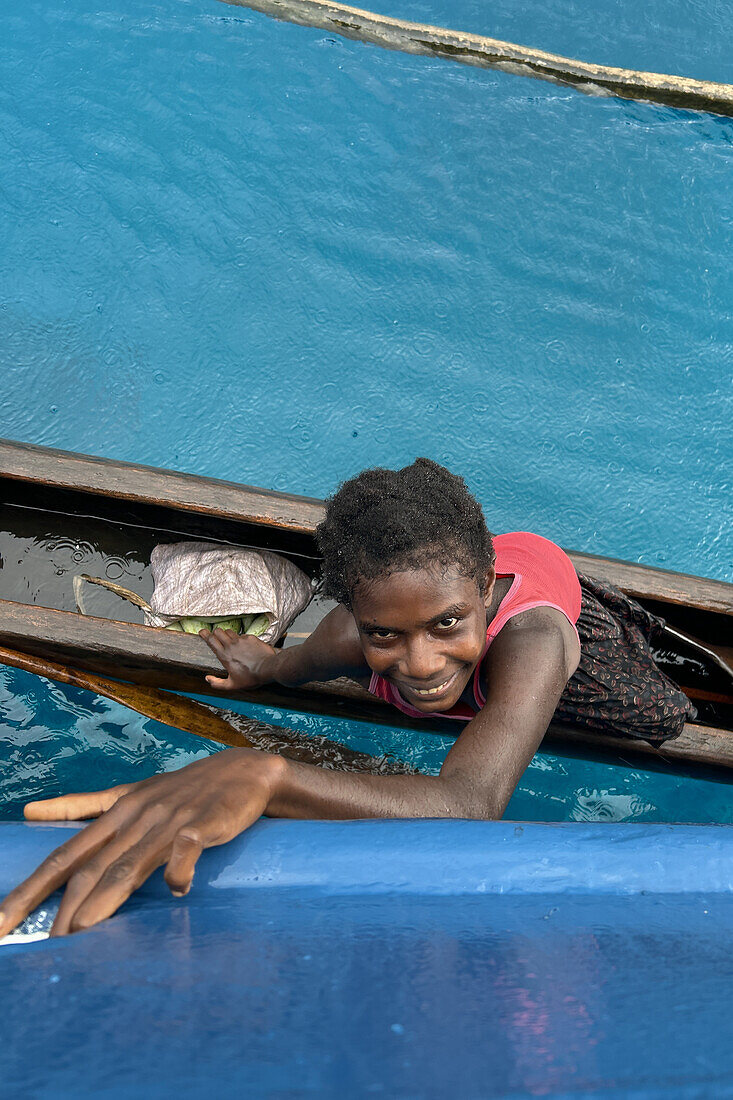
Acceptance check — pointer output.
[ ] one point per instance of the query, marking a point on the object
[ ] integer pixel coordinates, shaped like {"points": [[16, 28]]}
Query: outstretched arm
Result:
{"points": [[169, 819], [527, 668]]}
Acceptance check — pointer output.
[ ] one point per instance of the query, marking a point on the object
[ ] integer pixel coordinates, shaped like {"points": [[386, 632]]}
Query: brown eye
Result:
{"points": [[449, 622]]}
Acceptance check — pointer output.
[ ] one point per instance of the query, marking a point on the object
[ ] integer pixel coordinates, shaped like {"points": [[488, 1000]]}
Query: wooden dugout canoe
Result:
{"points": [[66, 514]]}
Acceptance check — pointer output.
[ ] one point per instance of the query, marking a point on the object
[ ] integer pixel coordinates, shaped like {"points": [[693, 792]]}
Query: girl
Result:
{"points": [[435, 617]]}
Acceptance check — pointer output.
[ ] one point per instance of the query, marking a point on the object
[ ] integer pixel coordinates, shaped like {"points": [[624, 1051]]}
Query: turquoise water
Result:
{"points": [[256, 251], [56, 738], [687, 37]]}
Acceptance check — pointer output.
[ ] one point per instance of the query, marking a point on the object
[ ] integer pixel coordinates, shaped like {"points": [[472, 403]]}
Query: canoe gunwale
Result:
{"points": [[127, 481]]}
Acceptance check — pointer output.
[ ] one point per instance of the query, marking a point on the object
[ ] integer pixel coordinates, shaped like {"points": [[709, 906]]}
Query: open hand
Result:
{"points": [[248, 660], [168, 819]]}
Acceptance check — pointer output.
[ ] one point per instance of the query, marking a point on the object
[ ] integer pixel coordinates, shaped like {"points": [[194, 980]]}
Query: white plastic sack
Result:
{"points": [[205, 580]]}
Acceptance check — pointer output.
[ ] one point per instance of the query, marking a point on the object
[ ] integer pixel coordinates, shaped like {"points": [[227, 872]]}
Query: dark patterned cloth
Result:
{"points": [[618, 688]]}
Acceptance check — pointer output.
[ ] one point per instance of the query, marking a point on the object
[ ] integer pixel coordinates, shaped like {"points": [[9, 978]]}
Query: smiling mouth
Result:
{"points": [[431, 693]]}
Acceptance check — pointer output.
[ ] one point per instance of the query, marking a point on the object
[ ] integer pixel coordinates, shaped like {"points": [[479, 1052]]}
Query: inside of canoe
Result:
{"points": [[50, 535], [43, 548], [38, 508]]}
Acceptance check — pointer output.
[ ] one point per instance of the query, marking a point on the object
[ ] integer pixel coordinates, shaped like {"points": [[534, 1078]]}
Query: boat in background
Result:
{"points": [[68, 514]]}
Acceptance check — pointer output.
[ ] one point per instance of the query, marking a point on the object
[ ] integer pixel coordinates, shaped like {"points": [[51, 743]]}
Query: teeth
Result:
{"points": [[432, 691]]}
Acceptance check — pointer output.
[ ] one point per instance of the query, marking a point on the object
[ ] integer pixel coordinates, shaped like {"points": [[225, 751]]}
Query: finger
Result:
{"points": [[120, 879], [187, 847], [93, 871], [190, 841], [226, 638], [220, 683], [213, 642], [75, 807], [54, 872]]}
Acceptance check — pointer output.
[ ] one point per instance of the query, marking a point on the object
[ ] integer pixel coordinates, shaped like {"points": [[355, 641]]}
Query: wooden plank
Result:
{"points": [[183, 492], [696, 744], [642, 581], [179, 662], [157, 658]]}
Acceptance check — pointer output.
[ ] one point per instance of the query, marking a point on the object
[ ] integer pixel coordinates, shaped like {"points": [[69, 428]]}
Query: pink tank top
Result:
{"points": [[543, 576]]}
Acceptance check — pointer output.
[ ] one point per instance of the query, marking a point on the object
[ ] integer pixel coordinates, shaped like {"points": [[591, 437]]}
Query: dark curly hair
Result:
{"points": [[385, 521]]}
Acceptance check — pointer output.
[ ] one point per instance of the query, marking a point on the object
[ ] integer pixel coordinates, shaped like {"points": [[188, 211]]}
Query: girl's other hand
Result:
{"points": [[247, 659], [168, 819]]}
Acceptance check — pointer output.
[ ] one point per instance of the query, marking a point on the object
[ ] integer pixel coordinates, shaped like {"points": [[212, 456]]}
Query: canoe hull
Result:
{"points": [[404, 958]]}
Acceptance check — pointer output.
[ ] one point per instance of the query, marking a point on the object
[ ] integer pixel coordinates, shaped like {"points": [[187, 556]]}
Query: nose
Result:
{"points": [[422, 661]]}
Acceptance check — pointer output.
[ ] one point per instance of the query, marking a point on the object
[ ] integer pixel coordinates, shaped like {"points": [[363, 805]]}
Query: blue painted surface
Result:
{"points": [[316, 959]]}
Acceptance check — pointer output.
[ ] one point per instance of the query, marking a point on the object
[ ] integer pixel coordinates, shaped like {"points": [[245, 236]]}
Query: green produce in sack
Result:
{"points": [[229, 624], [192, 625], [206, 579], [258, 625], [204, 585]]}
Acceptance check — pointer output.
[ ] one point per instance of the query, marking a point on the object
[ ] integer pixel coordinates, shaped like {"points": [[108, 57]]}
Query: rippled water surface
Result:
{"points": [[256, 251], [687, 37]]}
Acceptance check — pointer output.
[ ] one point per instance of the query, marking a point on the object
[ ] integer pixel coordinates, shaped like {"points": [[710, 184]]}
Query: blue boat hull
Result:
{"points": [[395, 958]]}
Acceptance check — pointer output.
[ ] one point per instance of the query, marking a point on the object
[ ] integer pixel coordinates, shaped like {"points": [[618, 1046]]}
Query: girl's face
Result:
{"points": [[424, 631]]}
